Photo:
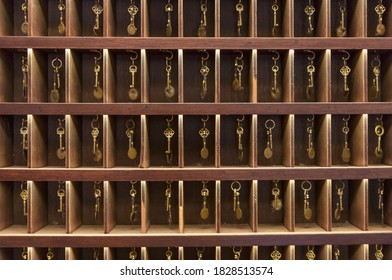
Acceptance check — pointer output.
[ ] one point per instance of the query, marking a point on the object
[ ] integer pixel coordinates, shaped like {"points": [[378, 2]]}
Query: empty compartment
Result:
{"points": [[311, 252], [353, 15], [163, 18], [193, 18], [276, 252], [379, 201], [267, 26], [14, 18], [311, 18], [379, 62], [199, 253], [373, 18]]}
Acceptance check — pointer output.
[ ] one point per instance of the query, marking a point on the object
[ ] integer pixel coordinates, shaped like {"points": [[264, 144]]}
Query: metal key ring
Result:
{"points": [[303, 186], [130, 124], [270, 121], [60, 63], [235, 189]]}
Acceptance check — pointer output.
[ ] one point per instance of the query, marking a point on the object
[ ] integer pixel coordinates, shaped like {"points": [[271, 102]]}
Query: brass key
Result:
{"points": [[309, 11], [49, 254], [307, 209], [169, 133], [169, 9], [24, 132], [239, 8], [310, 253], [61, 26], [202, 31], [341, 31], [240, 132], [98, 92], [276, 202], [132, 152], [204, 70], [168, 194], [236, 199], [346, 154], [169, 90], [60, 131], [376, 65], [97, 196], [25, 70], [97, 10], [276, 255], [379, 131], [61, 195], [204, 212], [275, 90], [24, 195], [238, 67], [380, 10], [132, 10], [96, 254], [133, 93], [311, 70], [54, 94], [24, 254], [339, 205], [310, 130], [336, 252], [169, 254], [133, 193], [95, 133], [275, 28], [380, 192], [345, 71], [268, 151], [133, 254], [204, 132], [200, 252], [378, 254], [237, 253], [25, 24]]}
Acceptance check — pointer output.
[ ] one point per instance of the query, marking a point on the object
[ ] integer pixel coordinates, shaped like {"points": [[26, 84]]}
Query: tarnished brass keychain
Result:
{"points": [[378, 254], [310, 69], [237, 252], [345, 71], [130, 133], [133, 254], [133, 93], [204, 70], [200, 252], [168, 195], [268, 151], [204, 212], [95, 124], [98, 92], [240, 132], [309, 11], [307, 209], [204, 132], [132, 193], [376, 83], [380, 192], [50, 254], [336, 252], [25, 23], [60, 131], [239, 8], [61, 195], [202, 31], [379, 131], [276, 202], [169, 254], [169, 89], [339, 205], [380, 10], [238, 67], [132, 10], [275, 88], [24, 132], [346, 153], [97, 196], [310, 253], [25, 71], [24, 195], [276, 255], [341, 30], [97, 10], [275, 28], [61, 26], [169, 133], [54, 95], [310, 131], [24, 254], [236, 199], [169, 9]]}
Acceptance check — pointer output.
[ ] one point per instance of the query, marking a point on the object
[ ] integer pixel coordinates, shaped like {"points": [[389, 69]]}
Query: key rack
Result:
{"points": [[364, 229]]}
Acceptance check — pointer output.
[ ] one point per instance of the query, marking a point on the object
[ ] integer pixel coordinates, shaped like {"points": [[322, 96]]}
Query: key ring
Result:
{"points": [[235, 189], [270, 127], [130, 124], [342, 187], [95, 121], [303, 186], [60, 63], [169, 120]]}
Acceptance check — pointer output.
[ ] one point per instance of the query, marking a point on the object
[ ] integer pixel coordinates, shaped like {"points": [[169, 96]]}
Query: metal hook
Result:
{"points": [[277, 55], [311, 119], [170, 120], [206, 53], [343, 185], [61, 121], [130, 123], [376, 59], [347, 53], [100, 55], [59, 65], [347, 119], [135, 53], [169, 52], [242, 119], [380, 118], [241, 55], [94, 121], [205, 120], [313, 55]]}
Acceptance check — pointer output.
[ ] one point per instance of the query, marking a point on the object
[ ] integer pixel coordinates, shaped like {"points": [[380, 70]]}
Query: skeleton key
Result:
{"points": [[132, 153], [133, 93], [275, 28], [168, 194], [61, 195], [339, 205], [310, 130], [24, 254], [240, 132], [336, 252], [346, 153], [204, 70], [378, 254], [133, 254], [132, 10], [380, 9], [94, 134], [169, 90], [345, 71], [307, 209], [204, 212], [310, 87], [236, 200], [24, 132], [309, 11], [97, 9], [98, 93], [25, 24], [169, 133], [376, 80], [169, 254], [133, 193], [24, 79], [380, 192], [97, 196], [54, 94], [61, 26], [202, 31], [276, 255], [379, 131], [239, 8], [204, 132], [200, 253], [275, 91], [341, 30], [24, 195], [169, 9], [276, 202], [310, 253], [268, 151], [237, 253], [49, 254]]}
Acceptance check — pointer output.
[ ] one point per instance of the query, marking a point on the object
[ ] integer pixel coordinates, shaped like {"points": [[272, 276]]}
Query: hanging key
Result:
{"points": [[346, 153], [202, 31], [240, 132], [204, 132], [306, 190], [169, 90], [61, 195], [169, 133], [168, 194], [339, 205], [310, 253], [345, 71], [341, 31], [276, 202], [133, 193], [380, 10], [133, 93], [237, 253], [276, 255], [239, 8], [97, 196], [24, 132], [379, 131], [54, 94], [238, 67], [133, 254], [95, 133], [169, 9], [336, 252], [275, 28], [275, 90], [132, 152], [49, 254], [380, 192], [24, 195], [132, 10], [378, 254], [25, 24], [169, 254], [200, 253], [376, 65], [97, 10], [95, 254], [60, 131], [204, 70], [24, 254], [310, 130], [204, 212], [309, 11], [61, 26], [25, 77], [236, 199], [311, 70], [268, 151], [98, 92]]}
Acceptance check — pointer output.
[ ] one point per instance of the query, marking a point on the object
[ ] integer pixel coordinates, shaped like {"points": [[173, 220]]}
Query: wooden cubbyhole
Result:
{"points": [[118, 208], [12, 219], [117, 142], [157, 76], [11, 76], [229, 18], [247, 253], [354, 216], [385, 78], [81, 208], [354, 18], [282, 140], [117, 18], [11, 18], [321, 85], [386, 250], [154, 201], [287, 252], [157, 18], [191, 253], [227, 61], [84, 253], [121, 253], [159, 253], [229, 223], [79, 142], [375, 213], [192, 16], [356, 80], [229, 153], [193, 78], [320, 18], [193, 203], [42, 253], [117, 77], [386, 157], [320, 136], [322, 252], [350, 252], [81, 18], [318, 203], [12, 253], [357, 139], [81, 76], [372, 18], [285, 76], [11, 150], [265, 18], [44, 17], [270, 220]]}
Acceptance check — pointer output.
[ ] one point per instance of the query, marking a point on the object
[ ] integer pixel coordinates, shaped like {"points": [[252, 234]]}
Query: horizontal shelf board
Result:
{"points": [[40, 42], [195, 108], [195, 174], [207, 240]]}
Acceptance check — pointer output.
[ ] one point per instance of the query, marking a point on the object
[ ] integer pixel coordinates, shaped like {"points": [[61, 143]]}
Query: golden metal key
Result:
{"points": [[239, 8], [24, 195], [202, 31], [61, 26], [95, 133], [268, 151], [275, 28], [341, 30], [98, 92], [306, 190], [97, 10], [380, 10], [345, 71], [238, 67], [24, 132], [310, 130], [376, 67], [276, 203], [204, 70], [133, 211], [237, 253], [204, 212], [200, 252], [276, 255], [379, 131], [310, 253], [311, 70], [132, 10], [97, 196], [169, 89], [25, 70], [133, 93], [380, 192], [169, 133], [309, 11], [236, 199], [240, 132], [133, 254], [25, 24], [168, 194], [275, 89], [132, 152], [378, 254], [346, 153], [60, 131], [339, 205], [49, 254], [61, 195], [169, 9], [204, 132]]}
